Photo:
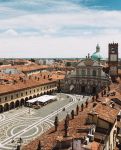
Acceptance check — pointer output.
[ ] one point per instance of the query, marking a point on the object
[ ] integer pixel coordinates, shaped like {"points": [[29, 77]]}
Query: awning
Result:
{"points": [[42, 99]]}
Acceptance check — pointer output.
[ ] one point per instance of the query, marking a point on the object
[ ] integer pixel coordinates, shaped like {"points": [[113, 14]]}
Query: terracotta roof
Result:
{"points": [[28, 82], [105, 112], [25, 68]]}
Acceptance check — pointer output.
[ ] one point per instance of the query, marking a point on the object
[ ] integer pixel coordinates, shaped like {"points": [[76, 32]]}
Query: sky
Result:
{"points": [[58, 28]]}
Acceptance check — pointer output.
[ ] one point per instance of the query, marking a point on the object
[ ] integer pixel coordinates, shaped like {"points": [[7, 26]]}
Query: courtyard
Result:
{"points": [[27, 123]]}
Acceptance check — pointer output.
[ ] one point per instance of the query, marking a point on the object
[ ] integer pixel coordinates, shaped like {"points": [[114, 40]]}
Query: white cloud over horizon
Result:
{"points": [[69, 30]]}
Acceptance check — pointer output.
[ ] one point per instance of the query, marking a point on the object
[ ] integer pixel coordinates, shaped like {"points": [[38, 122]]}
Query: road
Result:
{"points": [[28, 124]]}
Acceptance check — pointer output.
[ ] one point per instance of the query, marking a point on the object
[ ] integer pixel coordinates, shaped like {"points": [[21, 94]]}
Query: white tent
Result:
{"points": [[32, 100], [42, 99]]}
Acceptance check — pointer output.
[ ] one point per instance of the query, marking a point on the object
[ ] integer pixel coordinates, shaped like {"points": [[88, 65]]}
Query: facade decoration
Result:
{"points": [[88, 77]]}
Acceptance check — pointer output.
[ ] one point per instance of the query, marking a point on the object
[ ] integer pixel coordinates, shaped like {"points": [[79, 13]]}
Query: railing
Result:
{"points": [[89, 76]]}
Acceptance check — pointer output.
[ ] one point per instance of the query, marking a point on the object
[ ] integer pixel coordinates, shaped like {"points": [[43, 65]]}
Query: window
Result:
{"points": [[94, 73], [34, 90], [26, 93], [11, 96], [88, 72], [21, 94], [30, 91], [0, 99], [16, 95], [83, 72], [5, 98]]}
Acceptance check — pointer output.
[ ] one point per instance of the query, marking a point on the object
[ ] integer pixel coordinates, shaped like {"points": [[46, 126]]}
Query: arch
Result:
{"points": [[48, 92], [44, 93], [26, 98], [83, 89], [12, 106], [38, 95], [17, 104], [41, 94], [6, 107], [34, 96], [25, 102], [1, 109], [93, 89], [30, 97], [22, 102]]}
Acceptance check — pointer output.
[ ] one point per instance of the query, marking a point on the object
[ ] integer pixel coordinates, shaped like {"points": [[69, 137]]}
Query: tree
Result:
{"points": [[72, 114], [56, 123], [86, 104], [102, 93], [66, 125], [32, 60], [67, 117], [108, 88], [97, 96], [39, 147], [82, 107], [93, 98], [77, 109]]}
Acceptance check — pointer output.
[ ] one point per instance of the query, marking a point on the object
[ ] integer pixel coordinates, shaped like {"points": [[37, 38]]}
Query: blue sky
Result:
{"points": [[53, 28]]}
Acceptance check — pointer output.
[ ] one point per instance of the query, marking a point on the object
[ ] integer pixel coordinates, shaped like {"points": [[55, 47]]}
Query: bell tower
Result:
{"points": [[113, 59]]}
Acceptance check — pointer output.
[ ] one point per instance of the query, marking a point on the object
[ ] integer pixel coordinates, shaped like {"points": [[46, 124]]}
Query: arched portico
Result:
{"points": [[12, 106], [22, 102], [26, 99], [38, 95], [6, 107], [17, 104], [30, 97], [34, 96], [1, 109]]}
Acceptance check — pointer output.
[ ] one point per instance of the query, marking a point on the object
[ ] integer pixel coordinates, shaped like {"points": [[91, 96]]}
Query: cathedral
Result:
{"points": [[88, 76]]}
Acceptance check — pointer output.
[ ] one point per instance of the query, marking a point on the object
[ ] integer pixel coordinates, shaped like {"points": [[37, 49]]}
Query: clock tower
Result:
{"points": [[113, 59]]}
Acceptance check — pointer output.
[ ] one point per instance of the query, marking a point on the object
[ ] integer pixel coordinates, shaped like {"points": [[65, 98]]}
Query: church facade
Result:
{"points": [[88, 77]]}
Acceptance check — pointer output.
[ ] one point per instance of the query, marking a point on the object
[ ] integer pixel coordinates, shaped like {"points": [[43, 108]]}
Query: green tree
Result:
{"points": [[97, 96], [77, 109], [102, 93], [67, 117], [39, 147], [86, 104], [56, 123], [93, 98], [82, 107], [66, 125], [72, 114], [108, 88]]}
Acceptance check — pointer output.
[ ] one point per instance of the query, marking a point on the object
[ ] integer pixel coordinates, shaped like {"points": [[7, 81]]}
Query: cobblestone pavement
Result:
{"points": [[28, 124]]}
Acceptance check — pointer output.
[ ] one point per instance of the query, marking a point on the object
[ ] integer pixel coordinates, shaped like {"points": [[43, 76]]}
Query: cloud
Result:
{"points": [[9, 33], [56, 28], [55, 46]]}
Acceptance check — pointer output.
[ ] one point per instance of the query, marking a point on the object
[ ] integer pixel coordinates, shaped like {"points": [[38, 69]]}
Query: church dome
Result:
{"points": [[97, 55]]}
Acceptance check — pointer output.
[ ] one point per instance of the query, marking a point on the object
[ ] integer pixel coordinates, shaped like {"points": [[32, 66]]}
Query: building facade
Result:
{"points": [[113, 59], [88, 77], [16, 98]]}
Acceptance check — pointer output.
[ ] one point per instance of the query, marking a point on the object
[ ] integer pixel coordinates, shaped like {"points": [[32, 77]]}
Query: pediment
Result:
{"points": [[96, 63], [89, 62], [81, 64]]}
